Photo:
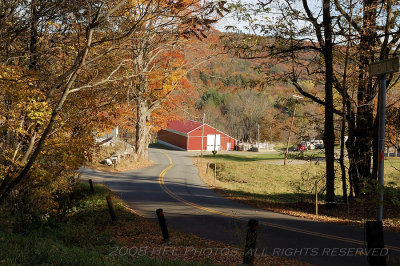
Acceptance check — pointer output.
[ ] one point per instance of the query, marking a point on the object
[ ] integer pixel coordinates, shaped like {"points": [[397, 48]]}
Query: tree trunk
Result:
{"points": [[142, 128], [329, 135], [10, 182], [375, 148], [34, 21], [341, 160], [365, 96], [350, 147]]}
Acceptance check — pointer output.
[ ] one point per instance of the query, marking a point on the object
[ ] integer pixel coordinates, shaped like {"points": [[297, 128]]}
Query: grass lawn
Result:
{"points": [[86, 236], [257, 180], [244, 158], [263, 157]]}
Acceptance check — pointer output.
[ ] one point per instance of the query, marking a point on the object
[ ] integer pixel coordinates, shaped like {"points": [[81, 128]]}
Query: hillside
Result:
{"points": [[237, 94]]}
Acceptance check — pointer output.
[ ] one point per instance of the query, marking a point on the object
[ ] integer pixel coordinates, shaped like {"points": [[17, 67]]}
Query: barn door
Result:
{"points": [[210, 142]]}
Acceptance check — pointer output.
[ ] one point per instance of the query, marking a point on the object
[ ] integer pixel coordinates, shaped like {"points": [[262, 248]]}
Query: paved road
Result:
{"points": [[173, 184]]}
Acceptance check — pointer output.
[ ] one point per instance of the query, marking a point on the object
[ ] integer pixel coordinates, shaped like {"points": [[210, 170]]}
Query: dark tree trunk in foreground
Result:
{"points": [[341, 159], [329, 135], [366, 93], [350, 147]]}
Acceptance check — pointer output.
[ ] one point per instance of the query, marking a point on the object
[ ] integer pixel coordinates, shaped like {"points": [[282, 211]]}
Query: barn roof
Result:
{"points": [[187, 126], [184, 126]]}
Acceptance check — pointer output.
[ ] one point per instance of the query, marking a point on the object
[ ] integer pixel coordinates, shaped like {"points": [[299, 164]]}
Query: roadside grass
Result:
{"points": [[265, 157], [81, 238], [126, 162], [267, 181], [87, 236], [392, 171], [124, 165], [290, 189], [245, 158], [317, 153]]}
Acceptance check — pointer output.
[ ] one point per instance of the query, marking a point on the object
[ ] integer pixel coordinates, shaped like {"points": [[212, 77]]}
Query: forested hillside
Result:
{"points": [[236, 94]]}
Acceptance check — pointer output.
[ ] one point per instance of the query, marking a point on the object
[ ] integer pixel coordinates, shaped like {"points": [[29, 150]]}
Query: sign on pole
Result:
{"points": [[375, 229], [386, 66]]}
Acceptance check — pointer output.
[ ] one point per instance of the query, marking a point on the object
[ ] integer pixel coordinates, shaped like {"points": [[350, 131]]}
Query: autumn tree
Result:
{"points": [[157, 67], [289, 44], [245, 110], [70, 52], [313, 39]]}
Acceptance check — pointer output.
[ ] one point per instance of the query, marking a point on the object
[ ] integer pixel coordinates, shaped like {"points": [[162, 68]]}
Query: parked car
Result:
{"points": [[308, 145], [300, 147], [319, 144]]}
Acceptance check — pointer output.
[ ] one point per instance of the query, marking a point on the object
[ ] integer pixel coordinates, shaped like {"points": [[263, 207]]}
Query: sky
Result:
{"points": [[230, 20]]}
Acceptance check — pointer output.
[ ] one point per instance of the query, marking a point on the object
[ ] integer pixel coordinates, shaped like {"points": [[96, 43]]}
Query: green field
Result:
{"points": [[262, 180], [265, 157], [244, 158], [260, 174]]}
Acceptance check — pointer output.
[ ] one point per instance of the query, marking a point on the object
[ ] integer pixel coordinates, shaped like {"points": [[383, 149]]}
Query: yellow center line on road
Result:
{"points": [[283, 227], [169, 192]]}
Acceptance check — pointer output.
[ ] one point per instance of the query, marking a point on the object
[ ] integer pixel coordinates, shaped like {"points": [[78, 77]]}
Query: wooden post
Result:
{"points": [[250, 245], [316, 198], [91, 185], [258, 137], [163, 224], [111, 208], [202, 136], [215, 172], [215, 142], [208, 165]]}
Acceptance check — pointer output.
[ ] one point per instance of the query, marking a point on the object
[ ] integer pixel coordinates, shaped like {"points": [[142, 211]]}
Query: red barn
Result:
{"points": [[186, 135]]}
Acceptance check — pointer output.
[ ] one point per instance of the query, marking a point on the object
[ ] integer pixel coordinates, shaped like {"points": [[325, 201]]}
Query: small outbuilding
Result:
{"points": [[188, 135]]}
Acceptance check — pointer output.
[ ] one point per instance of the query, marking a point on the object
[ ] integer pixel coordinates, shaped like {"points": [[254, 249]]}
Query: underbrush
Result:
{"points": [[81, 237], [85, 235]]}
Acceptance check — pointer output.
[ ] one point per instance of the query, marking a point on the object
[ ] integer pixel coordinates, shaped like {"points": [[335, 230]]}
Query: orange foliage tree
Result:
{"points": [[50, 87], [158, 70]]}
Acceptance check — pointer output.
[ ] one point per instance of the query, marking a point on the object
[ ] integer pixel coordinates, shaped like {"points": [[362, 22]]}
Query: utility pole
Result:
{"points": [[258, 136], [381, 143], [270, 133], [290, 129], [380, 69], [374, 229], [202, 135], [288, 139], [215, 141]]}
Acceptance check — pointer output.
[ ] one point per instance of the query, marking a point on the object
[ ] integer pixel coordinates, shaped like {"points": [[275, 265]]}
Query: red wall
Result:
{"points": [[195, 138], [173, 138]]}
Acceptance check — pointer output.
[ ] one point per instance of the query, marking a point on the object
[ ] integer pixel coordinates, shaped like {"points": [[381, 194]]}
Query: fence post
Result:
{"points": [[91, 185], [111, 208], [163, 224], [250, 245], [316, 198], [215, 172]]}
